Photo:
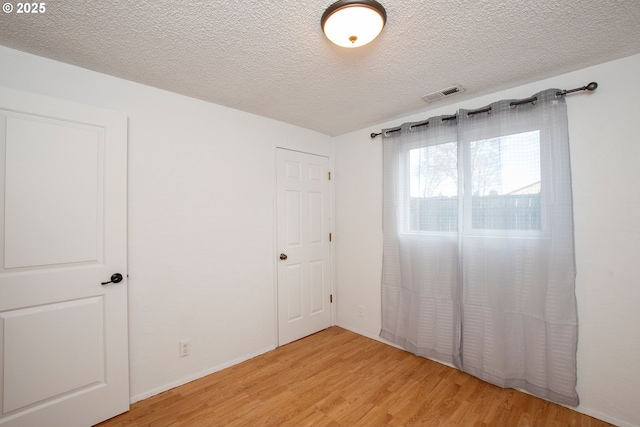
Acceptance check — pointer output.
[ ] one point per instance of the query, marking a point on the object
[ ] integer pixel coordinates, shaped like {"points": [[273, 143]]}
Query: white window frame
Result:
{"points": [[467, 208], [405, 170], [464, 183]]}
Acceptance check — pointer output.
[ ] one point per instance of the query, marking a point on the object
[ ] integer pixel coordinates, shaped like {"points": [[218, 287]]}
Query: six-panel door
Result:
{"points": [[303, 237]]}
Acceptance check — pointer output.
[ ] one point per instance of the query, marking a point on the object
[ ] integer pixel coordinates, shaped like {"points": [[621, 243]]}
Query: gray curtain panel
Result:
{"points": [[479, 264]]}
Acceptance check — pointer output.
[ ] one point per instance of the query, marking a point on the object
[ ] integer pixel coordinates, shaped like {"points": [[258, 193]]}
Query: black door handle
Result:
{"points": [[283, 256], [116, 278]]}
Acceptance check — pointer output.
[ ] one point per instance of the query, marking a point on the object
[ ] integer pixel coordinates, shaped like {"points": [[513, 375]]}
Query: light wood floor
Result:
{"points": [[338, 378]]}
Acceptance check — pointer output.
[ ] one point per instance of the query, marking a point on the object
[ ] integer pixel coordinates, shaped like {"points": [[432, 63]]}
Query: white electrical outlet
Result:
{"points": [[360, 311], [185, 348]]}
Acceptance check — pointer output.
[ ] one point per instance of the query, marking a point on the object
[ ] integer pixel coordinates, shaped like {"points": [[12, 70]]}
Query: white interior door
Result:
{"points": [[304, 267], [63, 335]]}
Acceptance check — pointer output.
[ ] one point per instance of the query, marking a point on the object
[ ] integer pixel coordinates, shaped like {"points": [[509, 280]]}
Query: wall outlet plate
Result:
{"points": [[185, 348]]}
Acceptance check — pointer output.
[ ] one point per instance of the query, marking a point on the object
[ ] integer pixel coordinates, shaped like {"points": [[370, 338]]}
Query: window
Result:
{"points": [[433, 188], [504, 182], [502, 187]]}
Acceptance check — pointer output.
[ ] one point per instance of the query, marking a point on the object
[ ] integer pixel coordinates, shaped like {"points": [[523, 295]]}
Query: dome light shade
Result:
{"points": [[352, 23]]}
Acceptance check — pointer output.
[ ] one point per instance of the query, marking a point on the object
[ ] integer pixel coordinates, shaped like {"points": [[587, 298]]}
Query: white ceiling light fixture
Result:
{"points": [[353, 23]]}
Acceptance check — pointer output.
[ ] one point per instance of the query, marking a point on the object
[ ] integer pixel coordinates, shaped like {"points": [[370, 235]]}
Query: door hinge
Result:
{"points": [[331, 298], [329, 176], [330, 237]]}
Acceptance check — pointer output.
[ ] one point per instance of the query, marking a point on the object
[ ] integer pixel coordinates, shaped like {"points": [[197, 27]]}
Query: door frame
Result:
{"points": [[274, 255]]}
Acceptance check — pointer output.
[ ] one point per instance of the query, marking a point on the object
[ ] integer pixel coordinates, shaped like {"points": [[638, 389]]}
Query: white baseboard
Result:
{"points": [[366, 334], [604, 417], [182, 381], [583, 410], [382, 340]]}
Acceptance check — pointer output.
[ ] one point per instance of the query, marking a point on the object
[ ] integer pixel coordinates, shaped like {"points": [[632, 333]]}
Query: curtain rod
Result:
{"points": [[590, 87]]}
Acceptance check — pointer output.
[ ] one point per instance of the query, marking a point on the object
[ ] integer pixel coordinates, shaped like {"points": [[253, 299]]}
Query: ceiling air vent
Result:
{"points": [[434, 96]]}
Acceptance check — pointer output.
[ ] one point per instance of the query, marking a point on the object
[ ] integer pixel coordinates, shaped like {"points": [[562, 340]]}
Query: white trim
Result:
{"points": [[581, 409], [201, 374], [603, 417]]}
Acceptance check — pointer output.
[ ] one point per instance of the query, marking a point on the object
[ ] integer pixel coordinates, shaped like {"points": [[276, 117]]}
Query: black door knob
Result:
{"points": [[283, 256], [115, 278]]}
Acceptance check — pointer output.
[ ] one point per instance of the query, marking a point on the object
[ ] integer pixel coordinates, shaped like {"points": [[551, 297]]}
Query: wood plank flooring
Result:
{"points": [[339, 378]]}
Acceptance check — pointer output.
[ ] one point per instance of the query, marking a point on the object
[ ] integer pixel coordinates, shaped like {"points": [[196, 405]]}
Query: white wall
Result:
{"points": [[605, 150], [201, 223], [201, 219]]}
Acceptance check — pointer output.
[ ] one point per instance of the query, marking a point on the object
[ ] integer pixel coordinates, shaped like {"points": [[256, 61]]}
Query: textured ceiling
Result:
{"points": [[272, 59]]}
